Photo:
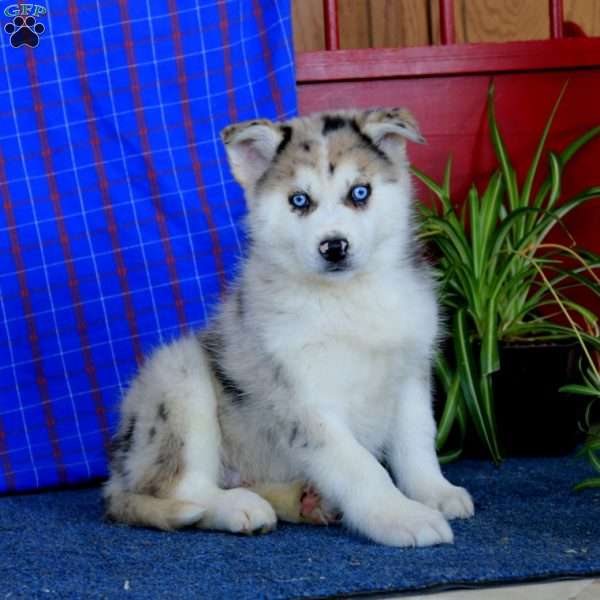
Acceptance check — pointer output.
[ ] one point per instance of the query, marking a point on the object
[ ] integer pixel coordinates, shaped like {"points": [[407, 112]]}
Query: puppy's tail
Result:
{"points": [[149, 511]]}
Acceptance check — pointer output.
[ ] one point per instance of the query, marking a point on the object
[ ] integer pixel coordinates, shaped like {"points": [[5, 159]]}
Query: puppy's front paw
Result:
{"points": [[408, 523], [452, 501]]}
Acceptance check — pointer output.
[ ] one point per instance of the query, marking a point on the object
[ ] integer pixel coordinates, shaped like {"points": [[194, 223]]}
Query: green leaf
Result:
{"points": [[594, 459], [593, 482], [591, 378], [455, 235], [425, 211], [565, 156], [555, 175], [443, 194], [566, 207], [448, 457], [536, 236], [490, 357], [430, 183], [544, 330], [592, 445], [473, 202], [443, 371], [491, 202], [528, 183], [449, 414], [551, 185], [589, 316], [580, 390], [487, 400], [501, 153], [566, 279], [463, 351], [447, 176], [507, 226]]}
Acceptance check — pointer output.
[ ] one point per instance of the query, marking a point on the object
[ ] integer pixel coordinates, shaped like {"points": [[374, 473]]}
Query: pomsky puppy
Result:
{"points": [[317, 366]]}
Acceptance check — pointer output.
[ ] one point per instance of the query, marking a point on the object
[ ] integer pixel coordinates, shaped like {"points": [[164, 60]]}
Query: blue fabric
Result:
{"points": [[529, 525], [119, 219]]}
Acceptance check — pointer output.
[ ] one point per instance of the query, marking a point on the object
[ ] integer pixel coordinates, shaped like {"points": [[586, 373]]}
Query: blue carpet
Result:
{"points": [[529, 525]]}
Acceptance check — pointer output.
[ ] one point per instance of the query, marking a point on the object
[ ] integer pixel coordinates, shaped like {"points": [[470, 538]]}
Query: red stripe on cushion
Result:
{"points": [[191, 139], [104, 186], [150, 170], [224, 26], [32, 335], [73, 282], [275, 91]]}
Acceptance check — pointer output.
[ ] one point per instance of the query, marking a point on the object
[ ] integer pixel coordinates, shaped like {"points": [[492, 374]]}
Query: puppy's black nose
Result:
{"points": [[334, 251]]}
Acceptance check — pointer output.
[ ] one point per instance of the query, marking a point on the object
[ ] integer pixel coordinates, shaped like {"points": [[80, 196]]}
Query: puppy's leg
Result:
{"points": [[348, 475], [166, 465], [237, 510], [413, 457]]}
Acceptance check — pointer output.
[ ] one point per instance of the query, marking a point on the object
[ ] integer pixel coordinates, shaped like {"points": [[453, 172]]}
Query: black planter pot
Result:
{"points": [[533, 417]]}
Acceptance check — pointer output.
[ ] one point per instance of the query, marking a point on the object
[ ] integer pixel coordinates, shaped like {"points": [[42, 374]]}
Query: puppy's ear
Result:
{"points": [[251, 147], [390, 128]]}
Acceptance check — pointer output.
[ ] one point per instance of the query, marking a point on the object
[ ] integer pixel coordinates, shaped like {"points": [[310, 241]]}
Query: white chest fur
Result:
{"points": [[345, 347]]}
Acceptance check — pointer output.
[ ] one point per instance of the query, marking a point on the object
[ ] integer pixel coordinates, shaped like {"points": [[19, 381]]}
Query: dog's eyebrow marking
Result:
{"points": [[286, 132], [306, 147], [368, 142], [332, 123]]}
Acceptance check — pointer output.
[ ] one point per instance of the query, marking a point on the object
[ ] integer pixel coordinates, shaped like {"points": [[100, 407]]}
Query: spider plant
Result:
{"points": [[591, 448], [589, 388], [490, 288]]}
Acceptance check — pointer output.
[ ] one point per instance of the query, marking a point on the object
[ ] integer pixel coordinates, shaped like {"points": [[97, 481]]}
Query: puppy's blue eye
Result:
{"points": [[360, 193], [300, 200]]}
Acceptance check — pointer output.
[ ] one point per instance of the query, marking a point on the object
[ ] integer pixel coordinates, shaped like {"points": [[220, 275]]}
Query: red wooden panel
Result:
{"points": [[573, 53], [447, 32], [330, 20], [556, 19], [452, 114]]}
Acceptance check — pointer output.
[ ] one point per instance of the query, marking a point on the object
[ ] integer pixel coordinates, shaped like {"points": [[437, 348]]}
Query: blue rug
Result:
{"points": [[529, 526]]}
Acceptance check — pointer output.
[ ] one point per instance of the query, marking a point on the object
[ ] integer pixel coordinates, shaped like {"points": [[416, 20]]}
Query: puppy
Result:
{"points": [[316, 367]]}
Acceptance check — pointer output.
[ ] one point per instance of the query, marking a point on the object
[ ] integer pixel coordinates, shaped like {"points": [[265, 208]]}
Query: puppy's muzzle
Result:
{"points": [[334, 251]]}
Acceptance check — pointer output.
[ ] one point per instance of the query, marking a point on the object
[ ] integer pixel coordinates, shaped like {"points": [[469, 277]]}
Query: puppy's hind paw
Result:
{"points": [[314, 510]]}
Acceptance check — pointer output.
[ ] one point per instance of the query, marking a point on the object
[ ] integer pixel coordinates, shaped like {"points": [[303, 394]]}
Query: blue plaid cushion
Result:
{"points": [[119, 218]]}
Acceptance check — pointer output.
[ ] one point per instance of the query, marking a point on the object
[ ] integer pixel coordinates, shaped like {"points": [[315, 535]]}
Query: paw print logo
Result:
{"points": [[24, 32]]}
